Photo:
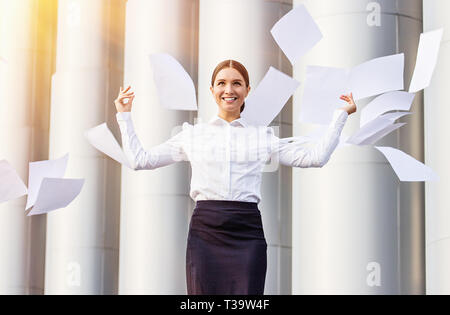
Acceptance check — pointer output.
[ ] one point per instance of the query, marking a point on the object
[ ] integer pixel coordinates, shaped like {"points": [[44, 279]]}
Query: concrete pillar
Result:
{"points": [[346, 215], [155, 204], [436, 14], [411, 207], [247, 39], [83, 239], [27, 33]]}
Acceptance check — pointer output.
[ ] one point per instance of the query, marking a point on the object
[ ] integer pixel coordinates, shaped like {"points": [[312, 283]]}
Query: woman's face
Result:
{"points": [[229, 90]]}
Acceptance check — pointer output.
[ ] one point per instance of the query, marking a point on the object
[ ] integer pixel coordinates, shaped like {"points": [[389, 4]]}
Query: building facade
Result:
{"points": [[348, 228]]}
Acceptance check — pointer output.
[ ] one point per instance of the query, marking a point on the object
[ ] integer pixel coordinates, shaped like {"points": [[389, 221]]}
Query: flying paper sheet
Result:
{"points": [[174, 85], [103, 140], [56, 193], [323, 86], [272, 93], [39, 170], [377, 76], [394, 116], [11, 185], [407, 168], [296, 33], [427, 55], [397, 100], [381, 134], [368, 130]]}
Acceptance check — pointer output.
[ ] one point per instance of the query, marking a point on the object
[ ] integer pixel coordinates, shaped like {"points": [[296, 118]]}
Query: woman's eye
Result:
{"points": [[237, 83], [219, 83]]}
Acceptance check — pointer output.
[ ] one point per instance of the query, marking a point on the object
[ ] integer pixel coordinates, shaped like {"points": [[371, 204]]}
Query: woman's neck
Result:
{"points": [[229, 116]]}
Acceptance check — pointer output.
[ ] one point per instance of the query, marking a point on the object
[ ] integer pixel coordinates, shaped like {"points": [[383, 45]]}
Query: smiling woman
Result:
{"points": [[230, 86], [226, 250]]}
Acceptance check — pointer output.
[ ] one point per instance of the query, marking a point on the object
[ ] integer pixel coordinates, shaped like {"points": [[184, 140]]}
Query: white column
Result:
{"points": [[245, 37], [345, 215], [155, 204], [82, 239], [436, 15], [27, 31]]}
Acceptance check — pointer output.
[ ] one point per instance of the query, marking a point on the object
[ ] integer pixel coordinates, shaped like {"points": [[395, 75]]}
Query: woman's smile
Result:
{"points": [[229, 100]]}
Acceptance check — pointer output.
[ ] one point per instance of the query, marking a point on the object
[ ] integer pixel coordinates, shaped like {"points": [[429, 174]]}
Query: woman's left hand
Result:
{"points": [[351, 107]]}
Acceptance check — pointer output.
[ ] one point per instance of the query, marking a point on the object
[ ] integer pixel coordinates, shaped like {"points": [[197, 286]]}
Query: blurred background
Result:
{"points": [[348, 228]]}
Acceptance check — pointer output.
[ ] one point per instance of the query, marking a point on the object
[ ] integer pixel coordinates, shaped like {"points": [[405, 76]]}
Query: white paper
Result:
{"points": [[407, 168], [381, 134], [322, 89], [394, 116], [427, 56], [56, 193], [296, 33], [377, 76], [40, 169], [397, 100], [11, 185], [101, 138], [324, 85], [174, 86], [267, 100], [368, 130]]}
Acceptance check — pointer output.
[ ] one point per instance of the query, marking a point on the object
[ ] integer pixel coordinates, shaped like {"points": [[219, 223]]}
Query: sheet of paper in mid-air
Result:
{"points": [[322, 88], [296, 33], [56, 193], [377, 76], [381, 134], [368, 130], [11, 185], [174, 86], [324, 85], [407, 168], [41, 169], [103, 140], [427, 56], [269, 97], [397, 100]]}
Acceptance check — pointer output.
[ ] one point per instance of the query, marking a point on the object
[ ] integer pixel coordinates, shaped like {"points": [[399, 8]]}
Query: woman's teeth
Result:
{"points": [[228, 99]]}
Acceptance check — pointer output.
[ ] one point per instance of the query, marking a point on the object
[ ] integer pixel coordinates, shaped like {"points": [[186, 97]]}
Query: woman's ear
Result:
{"points": [[211, 89], [248, 90]]}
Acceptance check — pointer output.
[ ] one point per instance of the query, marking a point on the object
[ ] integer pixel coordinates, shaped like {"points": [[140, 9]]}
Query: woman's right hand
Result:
{"points": [[124, 101]]}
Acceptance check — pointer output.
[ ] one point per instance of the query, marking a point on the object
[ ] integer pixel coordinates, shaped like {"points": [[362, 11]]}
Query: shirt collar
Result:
{"points": [[216, 120]]}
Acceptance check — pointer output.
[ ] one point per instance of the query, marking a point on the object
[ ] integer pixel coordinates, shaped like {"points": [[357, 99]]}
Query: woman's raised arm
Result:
{"points": [[161, 155], [316, 154]]}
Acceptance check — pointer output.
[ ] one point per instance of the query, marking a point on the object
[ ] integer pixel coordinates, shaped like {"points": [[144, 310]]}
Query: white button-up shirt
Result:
{"points": [[227, 159]]}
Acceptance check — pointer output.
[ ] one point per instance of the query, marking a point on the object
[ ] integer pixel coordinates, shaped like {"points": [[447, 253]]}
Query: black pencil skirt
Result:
{"points": [[226, 249]]}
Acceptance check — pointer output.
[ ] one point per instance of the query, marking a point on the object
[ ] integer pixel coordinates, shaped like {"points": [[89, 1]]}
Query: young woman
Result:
{"points": [[226, 247]]}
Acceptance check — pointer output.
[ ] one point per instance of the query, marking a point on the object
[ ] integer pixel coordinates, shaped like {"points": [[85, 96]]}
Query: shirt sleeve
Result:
{"points": [[161, 155], [311, 154]]}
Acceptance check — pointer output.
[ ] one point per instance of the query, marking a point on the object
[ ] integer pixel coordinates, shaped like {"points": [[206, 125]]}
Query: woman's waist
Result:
{"points": [[227, 217], [227, 205]]}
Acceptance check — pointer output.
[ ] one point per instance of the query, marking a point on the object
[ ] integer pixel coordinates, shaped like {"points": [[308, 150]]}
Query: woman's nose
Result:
{"points": [[228, 88]]}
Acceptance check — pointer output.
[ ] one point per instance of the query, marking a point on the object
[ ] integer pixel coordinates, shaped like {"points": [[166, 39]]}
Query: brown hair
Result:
{"points": [[235, 65]]}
